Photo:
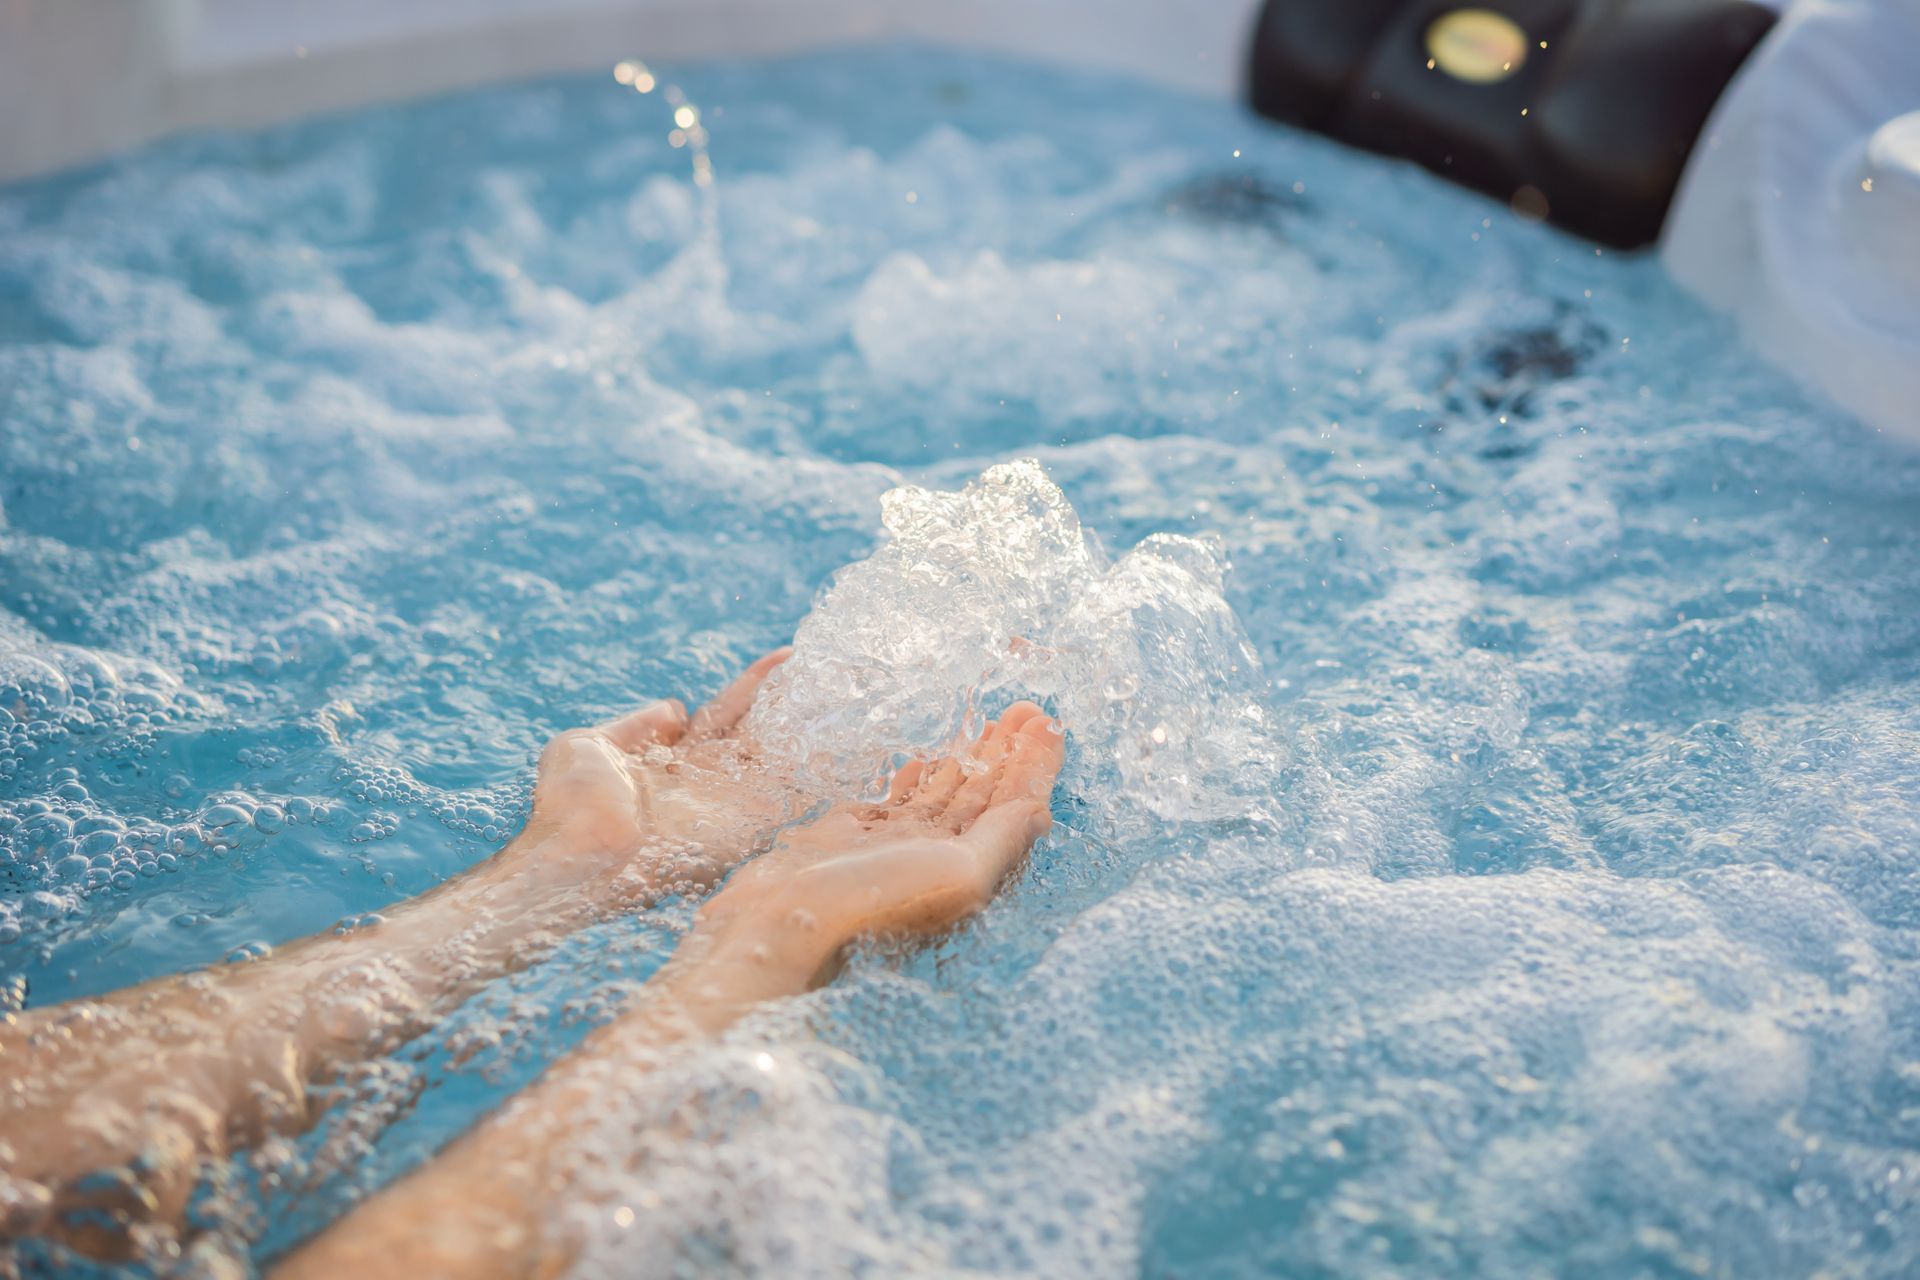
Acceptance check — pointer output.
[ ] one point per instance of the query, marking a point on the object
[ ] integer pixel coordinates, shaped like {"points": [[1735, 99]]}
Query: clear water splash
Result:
{"points": [[997, 591]]}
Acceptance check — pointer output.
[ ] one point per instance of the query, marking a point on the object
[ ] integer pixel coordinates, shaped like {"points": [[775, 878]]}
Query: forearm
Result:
{"points": [[153, 1080], [478, 1208], [340, 998], [933, 855]]}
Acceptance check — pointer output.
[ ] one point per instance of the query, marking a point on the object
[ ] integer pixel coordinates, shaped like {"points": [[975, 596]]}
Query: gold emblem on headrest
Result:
{"points": [[1476, 45]]}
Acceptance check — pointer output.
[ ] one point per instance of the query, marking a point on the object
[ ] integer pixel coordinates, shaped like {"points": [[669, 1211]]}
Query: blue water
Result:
{"points": [[1537, 892]]}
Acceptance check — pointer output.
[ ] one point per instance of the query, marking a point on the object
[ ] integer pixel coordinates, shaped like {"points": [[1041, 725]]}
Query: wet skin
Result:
{"points": [[110, 1107]]}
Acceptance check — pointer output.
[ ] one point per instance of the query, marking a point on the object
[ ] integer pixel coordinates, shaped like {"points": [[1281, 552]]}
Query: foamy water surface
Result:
{"points": [[1490, 839]]}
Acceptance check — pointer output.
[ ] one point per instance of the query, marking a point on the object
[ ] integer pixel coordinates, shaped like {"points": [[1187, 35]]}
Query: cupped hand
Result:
{"points": [[948, 835], [656, 799]]}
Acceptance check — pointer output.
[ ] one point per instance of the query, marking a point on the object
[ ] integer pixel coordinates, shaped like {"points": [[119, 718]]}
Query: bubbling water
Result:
{"points": [[1551, 909], [997, 591]]}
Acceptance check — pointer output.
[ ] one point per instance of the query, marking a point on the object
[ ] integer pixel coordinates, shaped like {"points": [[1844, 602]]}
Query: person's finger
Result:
{"points": [[938, 781], [976, 787], [905, 779], [730, 705], [1018, 814], [659, 723], [999, 838], [1033, 761], [1015, 717]]}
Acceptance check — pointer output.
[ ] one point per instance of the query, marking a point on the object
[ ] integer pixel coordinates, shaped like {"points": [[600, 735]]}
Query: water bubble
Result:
{"points": [[997, 591], [44, 903], [90, 674], [220, 816], [30, 688], [356, 923]]}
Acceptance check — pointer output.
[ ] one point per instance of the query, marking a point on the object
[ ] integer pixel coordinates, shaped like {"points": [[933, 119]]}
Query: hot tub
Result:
{"points": [[1486, 844]]}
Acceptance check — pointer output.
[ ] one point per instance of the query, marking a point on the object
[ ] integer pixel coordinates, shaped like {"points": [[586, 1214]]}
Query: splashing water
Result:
{"points": [[997, 591], [1539, 896]]}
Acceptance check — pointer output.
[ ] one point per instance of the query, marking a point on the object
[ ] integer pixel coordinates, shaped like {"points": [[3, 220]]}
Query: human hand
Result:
{"points": [[933, 853], [654, 800]]}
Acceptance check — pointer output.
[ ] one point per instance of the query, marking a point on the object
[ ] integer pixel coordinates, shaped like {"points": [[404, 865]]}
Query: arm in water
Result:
{"points": [[109, 1106], [936, 851]]}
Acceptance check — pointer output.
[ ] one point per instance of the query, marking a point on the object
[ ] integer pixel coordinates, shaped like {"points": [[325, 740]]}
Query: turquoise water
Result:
{"points": [[1491, 839]]}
